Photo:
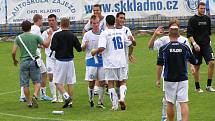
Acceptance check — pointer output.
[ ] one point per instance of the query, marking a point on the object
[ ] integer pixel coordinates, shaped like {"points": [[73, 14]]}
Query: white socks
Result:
{"points": [[53, 89], [101, 95], [122, 90], [113, 97], [66, 95], [178, 111], [22, 93], [90, 94], [164, 108]]}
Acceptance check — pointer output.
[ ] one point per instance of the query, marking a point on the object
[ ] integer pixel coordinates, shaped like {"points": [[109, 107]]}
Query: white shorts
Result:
{"points": [[42, 67], [50, 65], [116, 74], [176, 91], [94, 73], [64, 72]]}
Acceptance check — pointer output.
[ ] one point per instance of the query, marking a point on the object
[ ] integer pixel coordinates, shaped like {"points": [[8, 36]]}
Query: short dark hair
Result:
{"points": [[52, 15], [174, 21], [26, 26], [120, 13], [65, 22], [37, 17], [110, 19], [97, 5], [201, 3]]}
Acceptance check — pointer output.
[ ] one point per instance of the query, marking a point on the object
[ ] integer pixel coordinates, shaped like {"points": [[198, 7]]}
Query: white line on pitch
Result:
{"points": [[4, 93], [37, 118]]}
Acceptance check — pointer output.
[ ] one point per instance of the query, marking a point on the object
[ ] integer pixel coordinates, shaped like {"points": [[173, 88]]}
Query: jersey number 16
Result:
{"points": [[117, 41]]}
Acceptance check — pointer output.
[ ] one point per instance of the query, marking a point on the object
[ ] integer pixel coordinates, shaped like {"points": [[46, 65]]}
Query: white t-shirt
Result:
{"points": [[93, 42], [36, 30], [102, 25], [113, 40], [165, 39], [128, 33], [45, 37]]}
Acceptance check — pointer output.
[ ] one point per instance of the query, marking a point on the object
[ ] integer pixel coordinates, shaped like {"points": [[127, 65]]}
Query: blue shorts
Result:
{"points": [[28, 70]]}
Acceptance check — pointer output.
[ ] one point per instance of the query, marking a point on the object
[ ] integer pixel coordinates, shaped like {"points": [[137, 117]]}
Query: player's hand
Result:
{"points": [[196, 47], [158, 83], [50, 32], [159, 31], [131, 38], [15, 62], [93, 52], [132, 58], [192, 69], [86, 43]]}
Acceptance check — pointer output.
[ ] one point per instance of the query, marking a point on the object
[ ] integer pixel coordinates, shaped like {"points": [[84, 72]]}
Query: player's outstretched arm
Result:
{"points": [[158, 31]]}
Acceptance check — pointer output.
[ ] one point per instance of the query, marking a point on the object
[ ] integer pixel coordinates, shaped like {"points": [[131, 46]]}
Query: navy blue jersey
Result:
{"points": [[174, 57]]}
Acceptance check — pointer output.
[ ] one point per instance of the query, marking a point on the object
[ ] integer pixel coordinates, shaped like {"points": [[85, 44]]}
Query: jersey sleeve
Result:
{"points": [[87, 27], [39, 39], [84, 39], [160, 59], [102, 40], [158, 44], [54, 43], [190, 28], [44, 35], [190, 57]]}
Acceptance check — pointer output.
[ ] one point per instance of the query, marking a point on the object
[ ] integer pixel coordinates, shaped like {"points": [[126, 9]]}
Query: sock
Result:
{"points": [[123, 90], [22, 93], [178, 111], [66, 95], [164, 109], [53, 89], [42, 91], [90, 94], [197, 85], [118, 92], [101, 95], [209, 82], [60, 95], [113, 97]]}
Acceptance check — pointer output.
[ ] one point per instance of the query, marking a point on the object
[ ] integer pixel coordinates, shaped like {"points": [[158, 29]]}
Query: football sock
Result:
{"points": [[53, 89], [101, 95], [90, 94], [209, 82], [123, 90]]}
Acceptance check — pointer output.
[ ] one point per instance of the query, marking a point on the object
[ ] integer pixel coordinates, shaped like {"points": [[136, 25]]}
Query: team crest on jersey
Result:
{"points": [[191, 5]]}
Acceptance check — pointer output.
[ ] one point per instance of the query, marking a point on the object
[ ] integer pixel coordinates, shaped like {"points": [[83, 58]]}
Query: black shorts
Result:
{"points": [[206, 52]]}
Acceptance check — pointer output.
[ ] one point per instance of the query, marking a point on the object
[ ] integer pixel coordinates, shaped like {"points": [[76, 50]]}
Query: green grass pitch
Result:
{"points": [[143, 97]]}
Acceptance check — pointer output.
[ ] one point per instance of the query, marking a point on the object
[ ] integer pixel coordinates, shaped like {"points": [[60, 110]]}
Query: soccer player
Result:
{"points": [[174, 57], [112, 45], [94, 64], [28, 69], [155, 44], [198, 32], [63, 43], [50, 59], [97, 11], [35, 29], [120, 19]]}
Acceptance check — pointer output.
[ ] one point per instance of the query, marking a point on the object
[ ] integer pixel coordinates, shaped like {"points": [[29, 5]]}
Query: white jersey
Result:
{"points": [[36, 31], [93, 39], [113, 40], [165, 39], [102, 25], [128, 33], [45, 37]]}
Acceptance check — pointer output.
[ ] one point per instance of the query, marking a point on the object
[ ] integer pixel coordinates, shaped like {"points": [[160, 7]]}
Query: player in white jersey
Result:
{"points": [[50, 59], [120, 19], [97, 10], [112, 45], [35, 29], [155, 44], [102, 23], [94, 64]]}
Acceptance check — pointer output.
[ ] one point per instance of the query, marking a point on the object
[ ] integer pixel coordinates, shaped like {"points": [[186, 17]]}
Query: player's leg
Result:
{"points": [[101, 78], [182, 98], [170, 111], [118, 88], [59, 78], [164, 109], [91, 93], [43, 72], [22, 95], [209, 58], [198, 56]]}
